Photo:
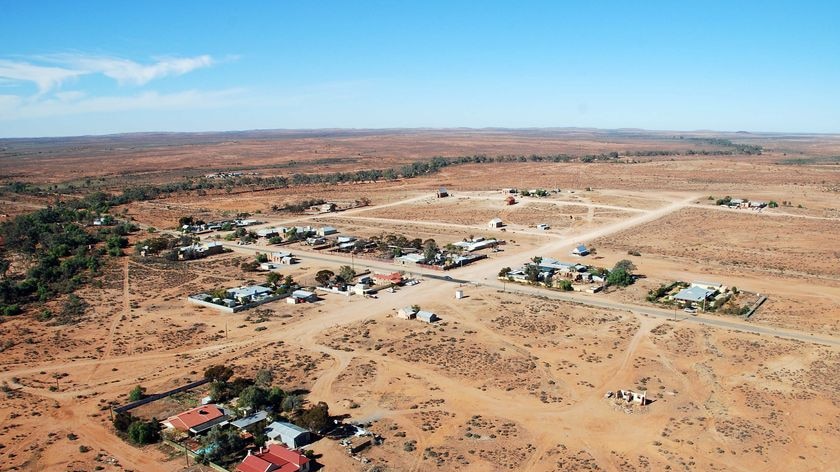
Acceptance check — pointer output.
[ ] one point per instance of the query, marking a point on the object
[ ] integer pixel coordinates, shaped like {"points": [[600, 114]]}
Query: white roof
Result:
{"points": [[302, 294], [496, 220], [250, 419], [249, 291], [412, 258], [279, 428]]}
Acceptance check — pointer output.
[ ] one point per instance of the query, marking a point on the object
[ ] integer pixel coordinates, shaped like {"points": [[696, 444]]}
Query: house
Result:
{"points": [[247, 294], [197, 420], [580, 250], [758, 204], [304, 296], [441, 193], [274, 458], [394, 278], [269, 232], [476, 244], [510, 200], [543, 227], [345, 239], [427, 316], [213, 247], [693, 295], [326, 231], [712, 286], [406, 313], [252, 422], [495, 223], [360, 289], [289, 434], [407, 259]]}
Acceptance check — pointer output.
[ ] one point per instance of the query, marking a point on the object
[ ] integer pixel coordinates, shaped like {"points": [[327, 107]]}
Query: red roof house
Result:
{"points": [[198, 419], [274, 458], [393, 278]]}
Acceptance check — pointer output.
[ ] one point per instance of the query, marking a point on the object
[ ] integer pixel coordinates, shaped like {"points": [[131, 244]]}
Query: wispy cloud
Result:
{"points": [[126, 71], [50, 71], [44, 77], [13, 107]]}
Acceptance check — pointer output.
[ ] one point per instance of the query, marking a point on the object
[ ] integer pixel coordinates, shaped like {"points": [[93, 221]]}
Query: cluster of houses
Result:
{"points": [[300, 232], [283, 438], [742, 203], [227, 175], [366, 284], [197, 251], [411, 313], [209, 227], [242, 298], [548, 271]]}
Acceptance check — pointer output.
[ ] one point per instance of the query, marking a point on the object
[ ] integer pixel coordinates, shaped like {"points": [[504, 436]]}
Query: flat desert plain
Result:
{"points": [[513, 376]]}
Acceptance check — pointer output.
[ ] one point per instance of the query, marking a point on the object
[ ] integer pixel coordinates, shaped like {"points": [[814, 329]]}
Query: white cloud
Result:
{"points": [[44, 77], [49, 72], [71, 103], [126, 71]]}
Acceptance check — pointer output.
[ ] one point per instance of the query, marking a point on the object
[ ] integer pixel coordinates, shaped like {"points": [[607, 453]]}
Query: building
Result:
{"points": [[197, 420], [274, 458], [495, 223], [712, 286], [394, 278], [269, 266], [410, 259], [441, 193], [358, 444], [580, 250], [248, 294], [476, 244], [289, 434], [406, 313], [304, 296], [510, 200], [326, 231], [693, 294], [427, 316], [543, 227], [252, 422]]}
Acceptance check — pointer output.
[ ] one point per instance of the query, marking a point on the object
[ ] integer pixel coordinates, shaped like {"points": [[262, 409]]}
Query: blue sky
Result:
{"points": [[69, 68]]}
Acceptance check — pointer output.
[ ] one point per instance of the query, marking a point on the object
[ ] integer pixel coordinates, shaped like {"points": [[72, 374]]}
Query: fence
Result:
{"points": [[158, 396], [192, 454]]}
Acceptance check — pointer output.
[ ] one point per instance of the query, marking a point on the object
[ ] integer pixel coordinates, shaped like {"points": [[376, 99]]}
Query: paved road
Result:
{"points": [[574, 297]]}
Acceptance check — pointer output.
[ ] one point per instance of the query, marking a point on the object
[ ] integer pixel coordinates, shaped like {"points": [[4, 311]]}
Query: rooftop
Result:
{"points": [[196, 417]]}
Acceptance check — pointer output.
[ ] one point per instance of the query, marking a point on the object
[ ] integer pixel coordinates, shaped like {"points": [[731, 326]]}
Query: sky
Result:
{"points": [[78, 68]]}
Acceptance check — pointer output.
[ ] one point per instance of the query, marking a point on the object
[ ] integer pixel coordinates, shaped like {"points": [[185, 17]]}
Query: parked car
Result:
{"points": [[691, 310]]}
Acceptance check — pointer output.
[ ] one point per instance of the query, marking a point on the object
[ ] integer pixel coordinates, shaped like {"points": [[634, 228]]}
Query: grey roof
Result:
{"points": [[693, 294], [581, 249], [426, 316], [279, 428], [249, 291], [302, 294], [250, 419]]}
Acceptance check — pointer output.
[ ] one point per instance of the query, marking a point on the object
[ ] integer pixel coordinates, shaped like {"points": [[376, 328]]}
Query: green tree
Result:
{"points": [[564, 284], [272, 278], [346, 273], [219, 373], [253, 397], [532, 273], [144, 432], [137, 393], [291, 403], [620, 278], [323, 277], [264, 377], [316, 417], [430, 249], [504, 272], [275, 240]]}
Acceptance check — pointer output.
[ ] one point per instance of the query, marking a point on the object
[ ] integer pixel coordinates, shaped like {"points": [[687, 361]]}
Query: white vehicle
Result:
{"points": [[691, 310]]}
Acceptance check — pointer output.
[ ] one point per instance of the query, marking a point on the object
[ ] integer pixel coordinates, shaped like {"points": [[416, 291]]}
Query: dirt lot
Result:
{"points": [[505, 381]]}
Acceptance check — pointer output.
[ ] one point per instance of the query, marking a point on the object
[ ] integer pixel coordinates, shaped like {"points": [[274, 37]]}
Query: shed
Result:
{"points": [[251, 421], [442, 193], [304, 295], [326, 230], [406, 313], [495, 223], [580, 250], [427, 316], [289, 434]]}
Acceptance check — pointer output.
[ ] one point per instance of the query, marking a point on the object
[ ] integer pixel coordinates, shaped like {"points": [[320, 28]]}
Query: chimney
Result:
{"points": [[249, 452]]}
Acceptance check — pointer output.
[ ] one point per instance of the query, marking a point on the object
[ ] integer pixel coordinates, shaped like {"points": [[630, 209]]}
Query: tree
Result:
{"points": [[430, 249], [144, 432], [620, 277], [504, 272], [275, 397], [291, 403], [532, 272], [564, 284], [628, 266], [272, 278], [264, 377], [323, 277], [317, 417], [253, 397], [122, 421], [346, 273], [275, 240], [137, 393], [262, 257], [218, 373], [220, 442]]}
